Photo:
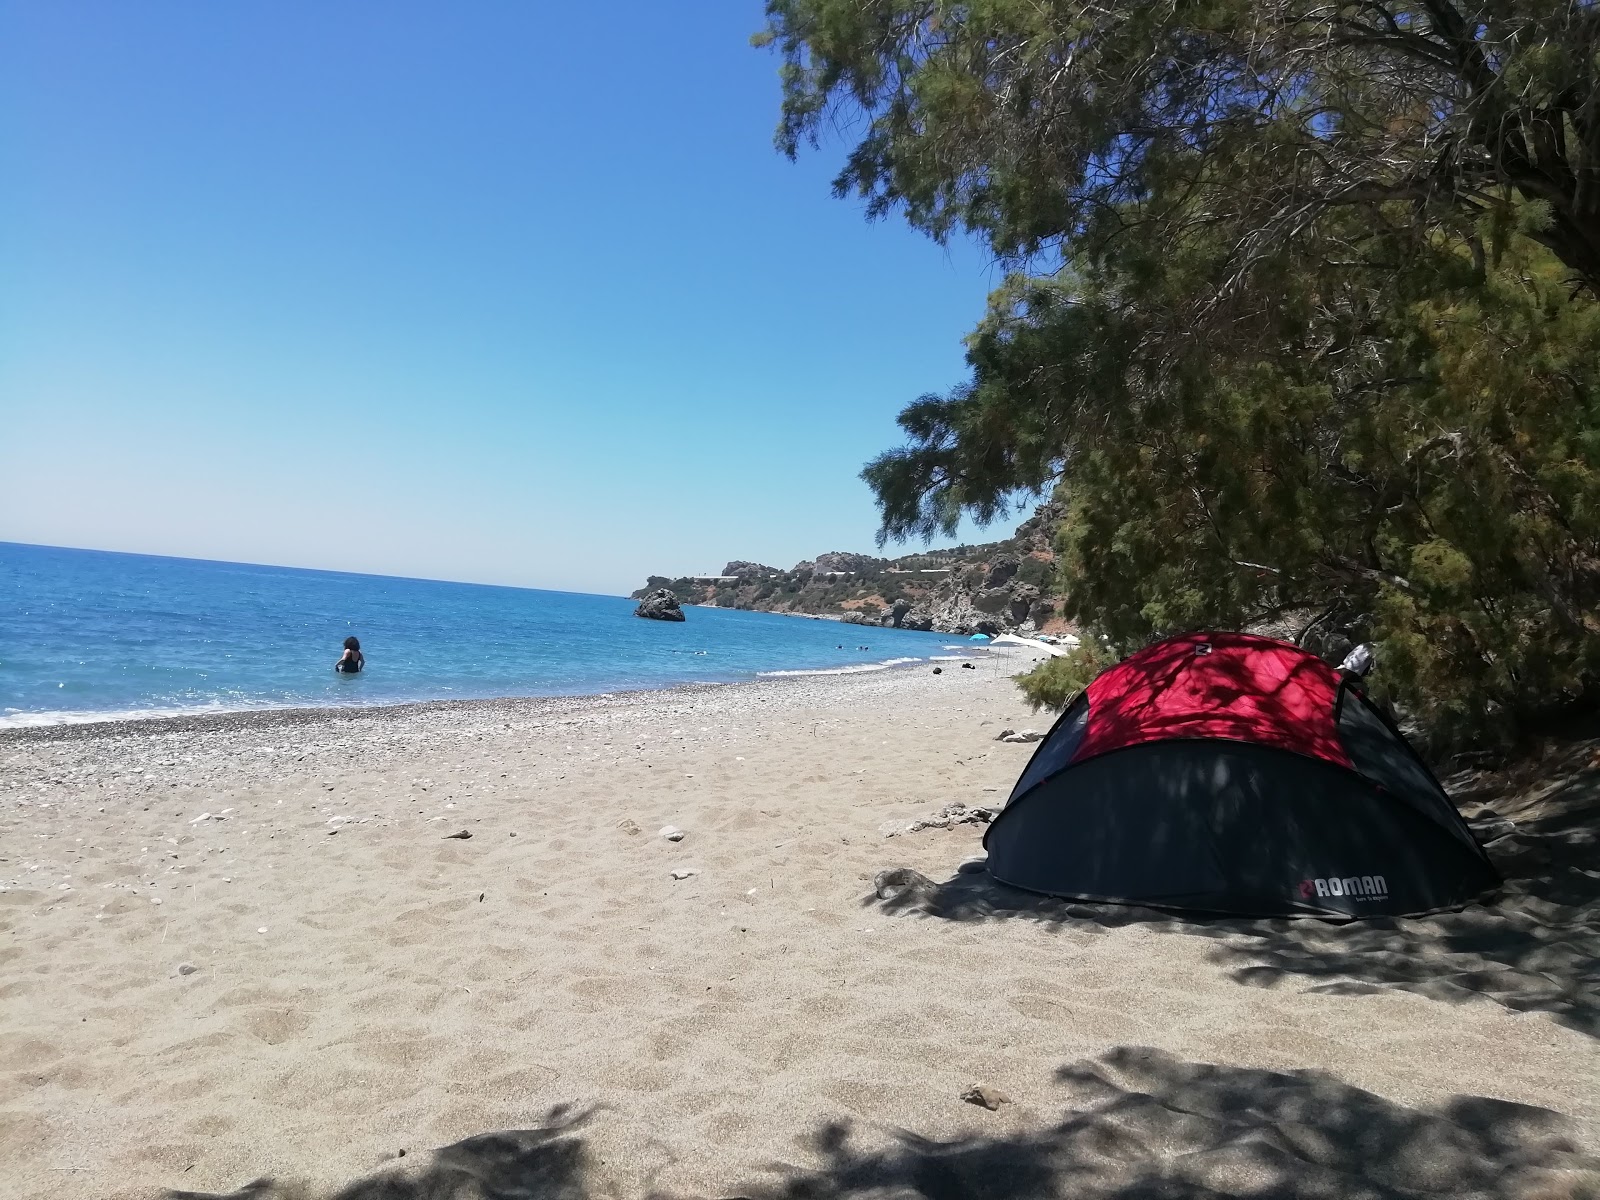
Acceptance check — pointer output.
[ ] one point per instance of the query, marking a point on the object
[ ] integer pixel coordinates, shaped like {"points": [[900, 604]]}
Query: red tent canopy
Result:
{"points": [[1228, 686]]}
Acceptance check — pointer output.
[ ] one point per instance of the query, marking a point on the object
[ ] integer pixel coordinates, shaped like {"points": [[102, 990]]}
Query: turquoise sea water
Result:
{"points": [[87, 634]]}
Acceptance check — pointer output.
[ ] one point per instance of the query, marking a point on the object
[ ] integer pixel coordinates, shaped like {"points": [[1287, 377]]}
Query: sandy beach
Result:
{"points": [[244, 947]]}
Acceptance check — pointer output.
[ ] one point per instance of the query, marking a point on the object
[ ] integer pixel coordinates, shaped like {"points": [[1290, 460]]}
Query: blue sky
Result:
{"points": [[509, 292]]}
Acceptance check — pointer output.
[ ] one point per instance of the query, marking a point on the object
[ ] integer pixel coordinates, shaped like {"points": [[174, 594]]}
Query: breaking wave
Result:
{"points": [[855, 669]]}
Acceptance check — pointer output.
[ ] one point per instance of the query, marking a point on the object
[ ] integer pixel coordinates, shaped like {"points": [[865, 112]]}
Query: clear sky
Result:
{"points": [[511, 292]]}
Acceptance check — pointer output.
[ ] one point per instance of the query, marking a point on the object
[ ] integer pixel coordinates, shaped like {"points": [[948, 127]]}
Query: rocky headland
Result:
{"points": [[998, 587]]}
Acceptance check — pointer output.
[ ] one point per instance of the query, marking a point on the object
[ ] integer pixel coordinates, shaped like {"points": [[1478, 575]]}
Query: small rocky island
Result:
{"points": [[660, 605]]}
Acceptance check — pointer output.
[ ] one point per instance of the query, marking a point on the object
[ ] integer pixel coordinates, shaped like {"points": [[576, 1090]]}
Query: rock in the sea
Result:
{"points": [[660, 605], [985, 1097]]}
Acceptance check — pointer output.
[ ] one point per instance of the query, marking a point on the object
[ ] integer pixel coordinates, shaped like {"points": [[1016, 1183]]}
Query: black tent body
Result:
{"points": [[1242, 778]]}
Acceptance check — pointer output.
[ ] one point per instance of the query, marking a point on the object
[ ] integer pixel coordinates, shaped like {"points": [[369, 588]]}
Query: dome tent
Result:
{"points": [[1226, 773]]}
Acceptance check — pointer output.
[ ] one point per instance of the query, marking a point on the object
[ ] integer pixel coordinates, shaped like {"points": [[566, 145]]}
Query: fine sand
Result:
{"points": [[314, 979]]}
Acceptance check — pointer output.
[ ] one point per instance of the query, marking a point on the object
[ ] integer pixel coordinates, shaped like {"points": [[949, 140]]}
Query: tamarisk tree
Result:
{"points": [[1064, 124], [1301, 315]]}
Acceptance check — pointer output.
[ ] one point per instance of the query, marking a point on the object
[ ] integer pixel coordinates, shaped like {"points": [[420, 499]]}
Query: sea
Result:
{"points": [[91, 635]]}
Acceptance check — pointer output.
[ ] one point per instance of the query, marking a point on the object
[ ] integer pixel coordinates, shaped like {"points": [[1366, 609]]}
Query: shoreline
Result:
{"points": [[268, 716], [224, 720]]}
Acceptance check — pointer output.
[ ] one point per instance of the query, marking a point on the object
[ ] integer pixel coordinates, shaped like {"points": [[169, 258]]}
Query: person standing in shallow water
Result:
{"points": [[351, 660]]}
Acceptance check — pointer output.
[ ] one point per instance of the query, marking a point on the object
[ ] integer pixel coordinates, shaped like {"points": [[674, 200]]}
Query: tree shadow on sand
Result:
{"points": [[548, 1162], [1535, 946], [1144, 1125], [1134, 1124]]}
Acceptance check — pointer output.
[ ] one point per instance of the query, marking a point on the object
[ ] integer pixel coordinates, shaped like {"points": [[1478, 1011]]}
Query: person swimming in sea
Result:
{"points": [[351, 660]]}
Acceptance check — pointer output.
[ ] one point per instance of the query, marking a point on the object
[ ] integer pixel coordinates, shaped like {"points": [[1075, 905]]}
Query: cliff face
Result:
{"points": [[999, 587]]}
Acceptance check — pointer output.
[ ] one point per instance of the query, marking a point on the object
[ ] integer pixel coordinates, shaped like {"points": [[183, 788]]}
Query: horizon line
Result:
{"points": [[238, 562]]}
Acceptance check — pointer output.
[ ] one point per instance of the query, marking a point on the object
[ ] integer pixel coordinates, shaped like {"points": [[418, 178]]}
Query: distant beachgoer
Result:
{"points": [[351, 660]]}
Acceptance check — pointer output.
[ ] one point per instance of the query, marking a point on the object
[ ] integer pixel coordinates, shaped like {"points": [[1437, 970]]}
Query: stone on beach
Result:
{"points": [[672, 833], [947, 817], [899, 881], [685, 872], [985, 1097]]}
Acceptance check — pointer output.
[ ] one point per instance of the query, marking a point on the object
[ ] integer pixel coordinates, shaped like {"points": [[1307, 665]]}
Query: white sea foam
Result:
{"points": [[857, 669], [13, 718]]}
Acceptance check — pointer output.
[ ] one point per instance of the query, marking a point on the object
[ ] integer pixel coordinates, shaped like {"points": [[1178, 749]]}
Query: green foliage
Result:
{"points": [[1036, 571], [1444, 501], [1065, 126], [1427, 476], [1054, 683], [1307, 348]]}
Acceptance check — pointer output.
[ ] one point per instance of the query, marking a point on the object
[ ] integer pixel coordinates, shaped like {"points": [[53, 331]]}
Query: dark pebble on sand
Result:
{"points": [[986, 1097]]}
